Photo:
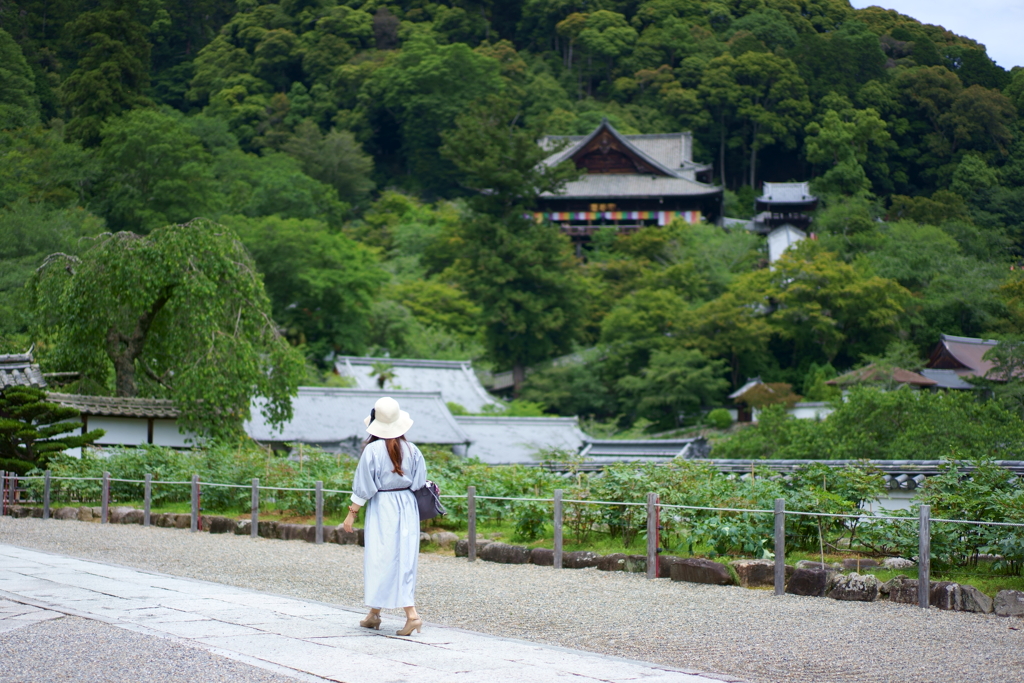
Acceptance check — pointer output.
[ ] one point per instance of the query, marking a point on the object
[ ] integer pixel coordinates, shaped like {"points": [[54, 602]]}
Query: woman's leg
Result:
{"points": [[410, 612]]}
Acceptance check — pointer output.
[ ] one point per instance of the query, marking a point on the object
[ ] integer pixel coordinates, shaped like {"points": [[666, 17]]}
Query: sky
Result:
{"points": [[997, 24]]}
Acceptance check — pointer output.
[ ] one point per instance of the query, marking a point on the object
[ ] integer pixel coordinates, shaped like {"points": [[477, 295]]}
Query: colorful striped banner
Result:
{"points": [[663, 217]]}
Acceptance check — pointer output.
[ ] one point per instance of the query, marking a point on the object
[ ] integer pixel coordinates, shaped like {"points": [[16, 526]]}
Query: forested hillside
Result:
{"points": [[345, 144]]}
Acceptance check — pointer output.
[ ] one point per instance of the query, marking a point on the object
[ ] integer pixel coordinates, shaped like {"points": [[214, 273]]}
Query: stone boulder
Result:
{"points": [[897, 563], [580, 559], [958, 598], [133, 517], [114, 515], [162, 519], [855, 564], [65, 513], [812, 582], [85, 514], [219, 525], [697, 570], [636, 564], [444, 539], [827, 566], [342, 537], [616, 562], [267, 529], [183, 521], [504, 553], [462, 546], [1010, 603], [758, 573], [895, 590], [296, 532], [665, 563], [19, 511], [855, 587], [424, 539], [543, 557], [242, 527]]}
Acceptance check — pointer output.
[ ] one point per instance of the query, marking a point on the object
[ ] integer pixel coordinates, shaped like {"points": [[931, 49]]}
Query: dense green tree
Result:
{"points": [[417, 96], [179, 313], [842, 142], [822, 305], [154, 172], [32, 231], [32, 429], [875, 424], [674, 386], [19, 104], [38, 166], [335, 159], [321, 283], [772, 102], [520, 272], [112, 70]]}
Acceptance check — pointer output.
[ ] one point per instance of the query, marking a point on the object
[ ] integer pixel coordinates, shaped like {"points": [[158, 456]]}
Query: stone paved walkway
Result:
{"points": [[304, 639]]}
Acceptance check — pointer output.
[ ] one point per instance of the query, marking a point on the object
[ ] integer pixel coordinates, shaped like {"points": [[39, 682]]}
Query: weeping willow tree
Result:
{"points": [[180, 313]]}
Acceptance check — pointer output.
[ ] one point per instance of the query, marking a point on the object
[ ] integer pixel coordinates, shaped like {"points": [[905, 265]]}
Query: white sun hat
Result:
{"points": [[389, 421]]}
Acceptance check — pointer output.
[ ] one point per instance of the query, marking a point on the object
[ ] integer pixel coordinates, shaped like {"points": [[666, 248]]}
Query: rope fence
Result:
{"points": [[9, 495]]}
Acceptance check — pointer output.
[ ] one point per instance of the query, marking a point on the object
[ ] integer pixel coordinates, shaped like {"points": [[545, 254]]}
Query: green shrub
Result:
{"points": [[719, 418]]}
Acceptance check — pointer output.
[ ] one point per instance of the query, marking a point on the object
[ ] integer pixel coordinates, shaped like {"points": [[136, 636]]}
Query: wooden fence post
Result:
{"points": [[652, 535], [105, 498], [3, 492], [147, 499], [46, 494], [924, 556], [471, 522], [254, 525], [558, 529], [195, 502], [319, 512], [780, 546]]}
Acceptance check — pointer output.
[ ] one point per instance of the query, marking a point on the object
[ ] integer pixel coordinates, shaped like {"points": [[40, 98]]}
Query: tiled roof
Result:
{"points": [[499, 440], [111, 406], [897, 474], [946, 379], [18, 370], [603, 185], [964, 355], [333, 418], [784, 193], [610, 450], [455, 379]]}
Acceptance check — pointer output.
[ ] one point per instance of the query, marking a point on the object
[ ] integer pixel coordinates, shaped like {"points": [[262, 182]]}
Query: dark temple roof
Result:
{"points": [[111, 406], [19, 370]]}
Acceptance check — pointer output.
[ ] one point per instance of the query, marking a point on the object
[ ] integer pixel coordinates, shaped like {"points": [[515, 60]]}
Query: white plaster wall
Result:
{"points": [[121, 431], [165, 433]]}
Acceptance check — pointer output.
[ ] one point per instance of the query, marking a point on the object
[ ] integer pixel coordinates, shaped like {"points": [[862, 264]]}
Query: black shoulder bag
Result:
{"points": [[428, 499]]}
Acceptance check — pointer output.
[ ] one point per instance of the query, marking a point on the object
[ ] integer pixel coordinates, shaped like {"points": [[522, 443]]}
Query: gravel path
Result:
{"points": [[744, 633], [41, 652]]}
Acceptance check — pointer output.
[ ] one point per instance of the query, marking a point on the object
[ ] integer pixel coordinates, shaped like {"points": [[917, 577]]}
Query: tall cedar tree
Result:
{"points": [[180, 313], [522, 273], [32, 429]]}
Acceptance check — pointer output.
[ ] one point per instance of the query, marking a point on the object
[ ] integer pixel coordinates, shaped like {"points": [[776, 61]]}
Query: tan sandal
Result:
{"points": [[410, 626], [371, 621]]}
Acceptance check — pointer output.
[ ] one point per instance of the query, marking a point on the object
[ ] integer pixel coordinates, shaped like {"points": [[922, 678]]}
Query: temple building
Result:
{"points": [[631, 181]]}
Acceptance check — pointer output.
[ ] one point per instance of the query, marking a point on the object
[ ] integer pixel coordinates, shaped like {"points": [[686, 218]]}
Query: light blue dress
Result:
{"points": [[392, 526]]}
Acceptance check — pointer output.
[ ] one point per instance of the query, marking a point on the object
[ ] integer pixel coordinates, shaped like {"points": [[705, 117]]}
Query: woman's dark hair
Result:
{"points": [[394, 447]]}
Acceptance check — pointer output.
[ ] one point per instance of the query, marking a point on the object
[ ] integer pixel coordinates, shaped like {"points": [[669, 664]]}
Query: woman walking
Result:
{"points": [[389, 470]]}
